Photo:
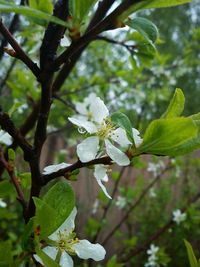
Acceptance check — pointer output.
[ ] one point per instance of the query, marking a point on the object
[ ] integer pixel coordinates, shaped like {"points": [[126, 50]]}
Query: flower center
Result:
{"points": [[66, 241], [105, 129]]}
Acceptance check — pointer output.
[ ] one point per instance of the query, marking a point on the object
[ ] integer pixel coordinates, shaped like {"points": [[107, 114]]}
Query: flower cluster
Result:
{"points": [[93, 118], [63, 244], [155, 168], [179, 216], [153, 256]]}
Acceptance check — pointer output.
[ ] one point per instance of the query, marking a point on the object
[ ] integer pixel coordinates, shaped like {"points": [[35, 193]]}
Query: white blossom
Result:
{"points": [[152, 193], [95, 206], [5, 138], [2, 203], [94, 118], [54, 168], [155, 168], [179, 216], [121, 202], [66, 243], [100, 173], [153, 257]]}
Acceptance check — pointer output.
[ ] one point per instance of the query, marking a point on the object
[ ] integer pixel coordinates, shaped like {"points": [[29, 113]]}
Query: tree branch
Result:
{"points": [[12, 28], [8, 125], [134, 205], [77, 165], [14, 179], [18, 51]]}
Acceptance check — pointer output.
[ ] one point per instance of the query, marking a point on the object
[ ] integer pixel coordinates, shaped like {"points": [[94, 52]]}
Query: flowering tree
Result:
{"points": [[48, 201]]}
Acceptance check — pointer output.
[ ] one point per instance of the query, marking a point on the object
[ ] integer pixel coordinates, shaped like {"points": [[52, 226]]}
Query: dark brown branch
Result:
{"points": [[77, 165], [130, 48], [8, 125], [110, 22], [48, 50], [14, 179], [19, 52], [12, 28]]}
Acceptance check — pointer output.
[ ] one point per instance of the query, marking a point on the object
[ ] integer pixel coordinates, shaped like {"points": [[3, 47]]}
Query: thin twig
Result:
{"points": [[19, 52], [157, 234], [135, 204], [14, 179]]}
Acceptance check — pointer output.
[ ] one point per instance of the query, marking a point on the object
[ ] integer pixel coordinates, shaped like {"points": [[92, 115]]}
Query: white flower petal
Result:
{"points": [[67, 226], [98, 110], [66, 260], [85, 250], [54, 168], [88, 100], [50, 251], [120, 137], [136, 136], [100, 173], [87, 125], [5, 138], [87, 150], [81, 108], [2, 203], [103, 188], [116, 155]]}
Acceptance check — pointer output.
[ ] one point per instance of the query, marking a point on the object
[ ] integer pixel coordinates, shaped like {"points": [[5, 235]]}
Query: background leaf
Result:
{"points": [[54, 208], [176, 105], [192, 259]]}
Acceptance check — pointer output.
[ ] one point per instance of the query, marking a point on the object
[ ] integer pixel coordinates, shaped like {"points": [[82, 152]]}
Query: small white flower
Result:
{"points": [[179, 216], [95, 206], [2, 203], [152, 193], [100, 173], [153, 258], [5, 138], [66, 243], [54, 168], [94, 118], [155, 168], [121, 202]]}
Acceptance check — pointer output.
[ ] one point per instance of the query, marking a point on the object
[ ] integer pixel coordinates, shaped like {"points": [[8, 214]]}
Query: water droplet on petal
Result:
{"points": [[81, 130]]}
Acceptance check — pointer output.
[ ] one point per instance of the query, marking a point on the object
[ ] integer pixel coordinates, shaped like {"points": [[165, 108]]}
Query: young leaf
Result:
{"points": [[6, 257], [48, 262], [30, 12], [123, 121], [152, 4], [192, 259], [166, 136], [42, 5], [145, 27], [54, 208], [176, 105], [80, 8]]}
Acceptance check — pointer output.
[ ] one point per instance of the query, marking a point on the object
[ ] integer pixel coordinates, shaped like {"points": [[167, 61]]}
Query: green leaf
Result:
{"points": [[30, 12], [192, 259], [196, 119], [145, 27], [166, 137], [6, 257], [80, 8], [26, 237], [176, 105], [152, 4], [48, 262], [54, 208], [42, 5], [6, 189], [121, 120]]}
